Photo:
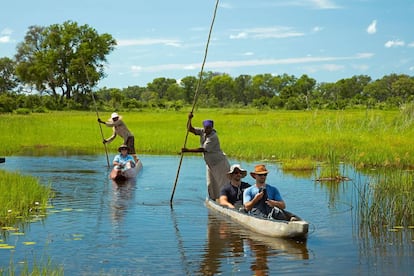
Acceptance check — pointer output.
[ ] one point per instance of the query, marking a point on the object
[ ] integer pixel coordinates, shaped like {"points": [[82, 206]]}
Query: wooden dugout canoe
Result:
{"points": [[126, 174], [267, 227]]}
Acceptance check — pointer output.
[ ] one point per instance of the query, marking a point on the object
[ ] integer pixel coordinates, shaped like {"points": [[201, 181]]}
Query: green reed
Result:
{"points": [[37, 268], [369, 138], [388, 199], [21, 197]]}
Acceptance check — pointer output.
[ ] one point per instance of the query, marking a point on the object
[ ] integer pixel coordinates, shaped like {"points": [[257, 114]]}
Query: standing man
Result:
{"points": [[120, 128], [216, 161], [231, 195]]}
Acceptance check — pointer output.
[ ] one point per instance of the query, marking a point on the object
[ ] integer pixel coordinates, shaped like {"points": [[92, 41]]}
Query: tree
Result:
{"points": [[160, 86], [63, 60], [221, 87], [8, 79]]}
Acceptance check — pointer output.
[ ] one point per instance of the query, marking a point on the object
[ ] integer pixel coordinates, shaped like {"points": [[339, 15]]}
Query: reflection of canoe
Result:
{"points": [[129, 173], [267, 227], [294, 249]]}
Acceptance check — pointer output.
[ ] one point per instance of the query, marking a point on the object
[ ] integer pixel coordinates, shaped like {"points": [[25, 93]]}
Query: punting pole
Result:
{"points": [[195, 99], [97, 114]]}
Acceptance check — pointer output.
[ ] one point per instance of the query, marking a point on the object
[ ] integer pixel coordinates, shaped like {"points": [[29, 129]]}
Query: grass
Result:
{"points": [[370, 138], [21, 197]]}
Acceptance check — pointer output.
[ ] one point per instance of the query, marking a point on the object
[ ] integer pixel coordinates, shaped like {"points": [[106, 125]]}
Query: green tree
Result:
{"points": [[221, 87], [63, 60], [8, 79], [160, 86]]}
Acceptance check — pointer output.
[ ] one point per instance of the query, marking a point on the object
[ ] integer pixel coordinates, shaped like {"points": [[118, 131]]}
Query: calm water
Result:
{"points": [[99, 228]]}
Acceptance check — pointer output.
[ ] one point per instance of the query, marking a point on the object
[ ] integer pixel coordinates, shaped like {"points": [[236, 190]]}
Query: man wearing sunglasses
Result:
{"points": [[262, 199], [231, 195]]}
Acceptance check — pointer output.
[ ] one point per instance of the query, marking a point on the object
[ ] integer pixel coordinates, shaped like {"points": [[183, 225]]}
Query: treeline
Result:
{"points": [[57, 68], [263, 91]]}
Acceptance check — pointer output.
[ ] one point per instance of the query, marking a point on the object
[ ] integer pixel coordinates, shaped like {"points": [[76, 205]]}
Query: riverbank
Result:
{"points": [[363, 138]]}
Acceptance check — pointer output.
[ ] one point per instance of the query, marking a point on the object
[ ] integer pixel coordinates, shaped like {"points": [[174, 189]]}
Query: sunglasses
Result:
{"points": [[262, 174], [124, 148]]}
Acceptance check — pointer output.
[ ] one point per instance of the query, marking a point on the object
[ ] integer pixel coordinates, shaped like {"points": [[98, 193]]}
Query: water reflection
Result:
{"points": [[123, 194], [228, 241], [108, 229]]}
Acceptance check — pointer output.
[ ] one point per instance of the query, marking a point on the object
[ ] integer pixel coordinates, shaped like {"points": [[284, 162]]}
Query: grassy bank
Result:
{"points": [[21, 198], [363, 138]]}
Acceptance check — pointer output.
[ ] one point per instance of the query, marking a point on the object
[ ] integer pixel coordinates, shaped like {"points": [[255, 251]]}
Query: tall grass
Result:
{"points": [[21, 197], [364, 138]]}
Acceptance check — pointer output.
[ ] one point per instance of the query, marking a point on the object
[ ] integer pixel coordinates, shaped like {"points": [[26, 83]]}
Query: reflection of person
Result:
{"points": [[263, 199], [122, 161], [120, 128], [231, 195], [216, 161]]}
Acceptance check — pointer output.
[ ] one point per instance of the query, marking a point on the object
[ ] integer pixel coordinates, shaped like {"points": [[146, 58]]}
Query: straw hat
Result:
{"points": [[259, 169]]}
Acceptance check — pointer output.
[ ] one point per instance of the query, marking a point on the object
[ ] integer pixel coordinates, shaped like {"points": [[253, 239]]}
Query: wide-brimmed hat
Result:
{"points": [[259, 169], [122, 147], [114, 115], [237, 166]]}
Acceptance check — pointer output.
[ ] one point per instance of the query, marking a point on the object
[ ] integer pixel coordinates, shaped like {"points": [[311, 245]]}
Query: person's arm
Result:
{"points": [[274, 198], [190, 126], [110, 139], [193, 150], [249, 202], [223, 200]]}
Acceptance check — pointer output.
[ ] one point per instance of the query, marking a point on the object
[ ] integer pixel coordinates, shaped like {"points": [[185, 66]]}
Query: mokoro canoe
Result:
{"points": [[2, 159], [128, 173], [268, 227]]}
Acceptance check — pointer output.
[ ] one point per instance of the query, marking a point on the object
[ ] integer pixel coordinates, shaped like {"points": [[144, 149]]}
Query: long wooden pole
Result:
{"points": [[195, 100], [97, 114]]}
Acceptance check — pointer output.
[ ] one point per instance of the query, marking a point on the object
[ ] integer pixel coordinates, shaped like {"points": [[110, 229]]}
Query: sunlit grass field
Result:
{"points": [[363, 138]]}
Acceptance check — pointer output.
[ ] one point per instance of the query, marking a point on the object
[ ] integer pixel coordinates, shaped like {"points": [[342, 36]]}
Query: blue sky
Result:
{"points": [[326, 39]]}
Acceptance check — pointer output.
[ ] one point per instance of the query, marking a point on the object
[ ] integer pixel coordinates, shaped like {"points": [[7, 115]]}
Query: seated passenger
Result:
{"points": [[231, 195], [264, 200], [122, 161]]}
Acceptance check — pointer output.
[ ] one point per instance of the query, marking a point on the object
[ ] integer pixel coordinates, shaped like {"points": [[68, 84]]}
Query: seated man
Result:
{"points": [[231, 195], [264, 200], [122, 161]]}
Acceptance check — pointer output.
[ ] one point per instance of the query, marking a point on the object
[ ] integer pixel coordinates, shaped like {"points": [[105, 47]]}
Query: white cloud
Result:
{"points": [[5, 35], [269, 32], [372, 28], [5, 39], [148, 41], [317, 29], [410, 44], [394, 43], [324, 4], [314, 4], [258, 62]]}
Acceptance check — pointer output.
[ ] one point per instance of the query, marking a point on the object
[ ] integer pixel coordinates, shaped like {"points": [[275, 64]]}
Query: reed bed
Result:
{"points": [[363, 138], [21, 197]]}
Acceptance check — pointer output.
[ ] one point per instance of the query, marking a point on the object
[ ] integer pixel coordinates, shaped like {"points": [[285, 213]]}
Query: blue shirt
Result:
{"points": [[272, 193]]}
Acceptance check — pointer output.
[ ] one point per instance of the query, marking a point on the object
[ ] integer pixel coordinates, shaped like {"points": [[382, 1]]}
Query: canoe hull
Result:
{"points": [[127, 174], [267, 227]]}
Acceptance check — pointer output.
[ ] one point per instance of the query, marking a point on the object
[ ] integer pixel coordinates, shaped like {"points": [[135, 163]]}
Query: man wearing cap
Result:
{"points": [[120, 128], [216, 161], [262, 199], [231, 195]]}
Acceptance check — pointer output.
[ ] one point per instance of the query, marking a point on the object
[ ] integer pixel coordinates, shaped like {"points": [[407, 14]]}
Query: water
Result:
{"points": [[99, 228]]}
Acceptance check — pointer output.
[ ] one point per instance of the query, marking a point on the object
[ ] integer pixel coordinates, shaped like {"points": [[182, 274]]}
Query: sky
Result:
{"points": [[327, 40]]}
